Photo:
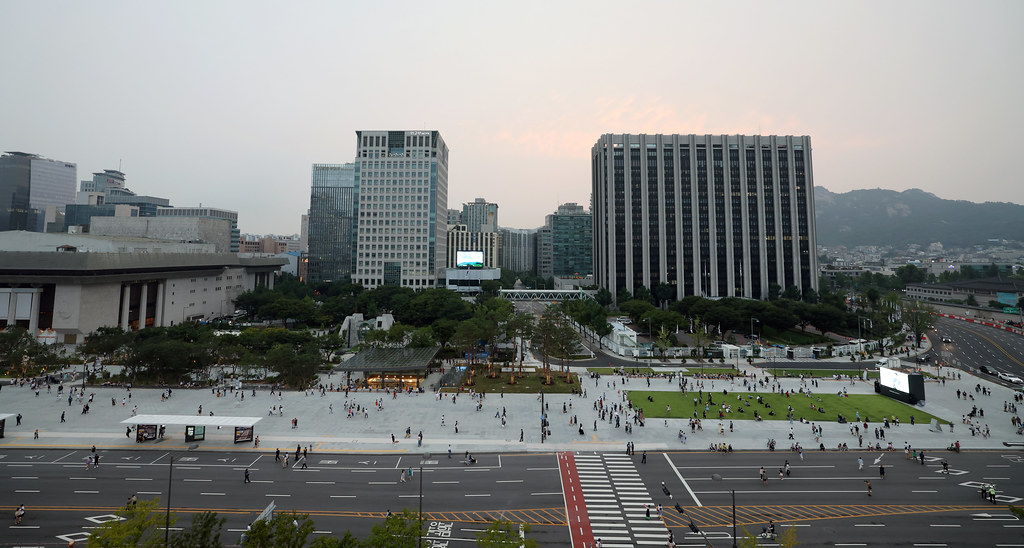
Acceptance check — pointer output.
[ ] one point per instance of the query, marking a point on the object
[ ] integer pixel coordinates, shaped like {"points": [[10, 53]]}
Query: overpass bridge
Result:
{"points": [[546, 294]]}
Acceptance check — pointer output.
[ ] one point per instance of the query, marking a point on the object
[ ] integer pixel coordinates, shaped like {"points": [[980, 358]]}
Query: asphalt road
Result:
{"points": [[824, 499], [976, 345]]}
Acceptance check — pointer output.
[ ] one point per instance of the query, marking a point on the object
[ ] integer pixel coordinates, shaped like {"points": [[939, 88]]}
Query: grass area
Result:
{"points": [[529, 383], [794, 337], [873, 408], [613, 371]]}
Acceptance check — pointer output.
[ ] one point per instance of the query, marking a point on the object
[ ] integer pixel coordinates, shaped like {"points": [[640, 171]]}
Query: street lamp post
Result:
{"points": [[543, 418], [718, 477], [167, 514]]}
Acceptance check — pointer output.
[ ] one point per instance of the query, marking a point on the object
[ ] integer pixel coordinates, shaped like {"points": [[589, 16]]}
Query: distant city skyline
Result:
{"points": [[229, 104]]}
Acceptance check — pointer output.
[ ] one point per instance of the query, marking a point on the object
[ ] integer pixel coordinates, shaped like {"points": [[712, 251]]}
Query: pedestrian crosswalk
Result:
{"points": [[621, 511]]}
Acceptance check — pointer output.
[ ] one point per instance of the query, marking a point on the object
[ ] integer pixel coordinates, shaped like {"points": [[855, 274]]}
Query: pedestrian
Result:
{"points": [[868, 484], [61, 416], [304, 466], [450, 450], [277, 455], [284, 463], [881, 471], [643, 458], [788, 472], [128, 432], [247, 480], [520, 435], [860, 463]]}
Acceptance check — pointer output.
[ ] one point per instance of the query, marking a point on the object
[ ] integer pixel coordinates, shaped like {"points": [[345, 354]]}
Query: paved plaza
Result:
{"points": [[325, 430]]}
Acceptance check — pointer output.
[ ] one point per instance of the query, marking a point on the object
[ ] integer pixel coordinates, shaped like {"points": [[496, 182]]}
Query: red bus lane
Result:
{"points": [[580, 532]]}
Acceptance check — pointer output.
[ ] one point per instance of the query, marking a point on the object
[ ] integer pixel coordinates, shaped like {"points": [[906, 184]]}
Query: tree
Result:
{"points": [[792, 293], [641, 293], [603, 297], [347, 541], [774, 290], [281, 531], [505, 534], [663, 292], [204, 532], [396, 531], [919, 318], [141, 526]]}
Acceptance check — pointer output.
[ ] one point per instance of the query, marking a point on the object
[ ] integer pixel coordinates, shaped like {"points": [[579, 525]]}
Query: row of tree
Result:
{"points": [[142, 526]]}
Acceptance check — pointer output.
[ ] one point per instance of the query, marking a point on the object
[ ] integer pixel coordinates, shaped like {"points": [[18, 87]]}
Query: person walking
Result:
{"points": [[247, 480], [881, 471], [867, 483], [61, 416], [277, 455], [860, 463], [764, 476], [643, 458]]}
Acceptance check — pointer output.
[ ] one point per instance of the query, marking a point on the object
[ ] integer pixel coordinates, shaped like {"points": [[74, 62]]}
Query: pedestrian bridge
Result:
{"points": [[546, 294]]}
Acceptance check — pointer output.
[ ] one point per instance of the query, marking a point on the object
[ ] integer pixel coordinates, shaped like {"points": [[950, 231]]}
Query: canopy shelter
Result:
{"points": [[391, 367], [149, 427], [3, 422]]}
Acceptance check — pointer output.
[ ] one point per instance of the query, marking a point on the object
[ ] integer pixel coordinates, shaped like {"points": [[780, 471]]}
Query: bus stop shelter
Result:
{"points": [[151, 427]]}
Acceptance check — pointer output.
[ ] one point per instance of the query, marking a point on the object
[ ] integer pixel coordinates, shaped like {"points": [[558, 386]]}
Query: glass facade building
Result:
{"points": [[711, 215], [571, 230], [401, 192], [28, 185], [332, 214]]}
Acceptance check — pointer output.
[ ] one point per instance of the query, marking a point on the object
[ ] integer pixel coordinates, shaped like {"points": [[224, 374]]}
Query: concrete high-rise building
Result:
{"points": [[518, 249], [29, 186], [402, 195], [460, 238], [332, 214], [206, 212], [304, 232], [454, 217], [480, 216], [712, 215]]}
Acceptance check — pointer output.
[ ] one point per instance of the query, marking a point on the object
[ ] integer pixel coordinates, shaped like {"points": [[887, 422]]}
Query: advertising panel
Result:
{"points": [[469, 259], [243, 434], [897, 380]]}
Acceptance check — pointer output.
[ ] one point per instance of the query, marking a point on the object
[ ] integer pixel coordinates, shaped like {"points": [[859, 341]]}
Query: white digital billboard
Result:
{"points": [[897, 380], [469, 259]]}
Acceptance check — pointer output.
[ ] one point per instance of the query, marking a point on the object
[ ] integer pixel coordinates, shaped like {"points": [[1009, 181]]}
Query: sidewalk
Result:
{"points": [[478, 431]]}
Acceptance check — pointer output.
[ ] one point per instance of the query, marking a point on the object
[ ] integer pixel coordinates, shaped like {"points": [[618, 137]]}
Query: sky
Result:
{"points": [[228, 104]]}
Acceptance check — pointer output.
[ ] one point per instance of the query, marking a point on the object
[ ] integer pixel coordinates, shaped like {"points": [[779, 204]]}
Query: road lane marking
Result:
{"points": [[545, 494], [213, 494], [277, 495], [126, 466], [151, 492], [320, 482], [26, 490], [190, 479], [479, 495], [680, 476], [869, 525], [29, 477], [87, 492], [138, 479], [509, 481], [343, 496]]}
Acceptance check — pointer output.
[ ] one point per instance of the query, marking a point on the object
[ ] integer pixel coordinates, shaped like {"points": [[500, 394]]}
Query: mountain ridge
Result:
{"points": [[899, 218]]}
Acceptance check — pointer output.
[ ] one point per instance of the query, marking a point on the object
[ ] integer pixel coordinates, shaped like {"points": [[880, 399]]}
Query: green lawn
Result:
{"points": [[613, 371], [873, 408], [529, 383]]}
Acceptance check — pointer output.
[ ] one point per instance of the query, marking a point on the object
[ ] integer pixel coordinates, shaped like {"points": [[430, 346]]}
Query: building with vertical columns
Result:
{"points": [[460, 238], [711, 215], [401, 183], [70, 294]]}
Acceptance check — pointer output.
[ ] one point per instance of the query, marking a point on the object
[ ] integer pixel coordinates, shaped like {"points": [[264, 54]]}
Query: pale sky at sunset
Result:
{"points": [[229, 103]]}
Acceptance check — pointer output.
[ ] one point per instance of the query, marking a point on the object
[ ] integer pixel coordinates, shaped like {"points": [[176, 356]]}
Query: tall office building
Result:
{"points": [[31, 184], [454, 217], [712, 215], [331, 232], [480, 216], [402, 195], [572, 241], [103, 181], [518, 249]]}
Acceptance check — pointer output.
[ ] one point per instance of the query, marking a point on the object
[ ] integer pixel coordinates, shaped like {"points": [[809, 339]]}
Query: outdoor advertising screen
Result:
{"points": [[896, 380], [469, 259]]}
